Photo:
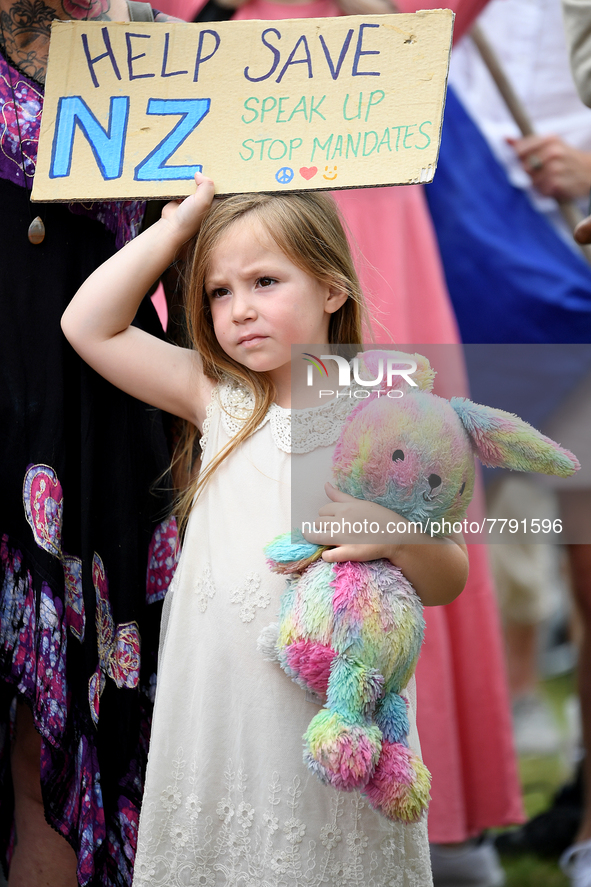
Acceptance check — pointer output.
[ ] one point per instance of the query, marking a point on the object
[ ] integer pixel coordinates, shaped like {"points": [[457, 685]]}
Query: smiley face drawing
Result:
{"points": [[330, 176]]}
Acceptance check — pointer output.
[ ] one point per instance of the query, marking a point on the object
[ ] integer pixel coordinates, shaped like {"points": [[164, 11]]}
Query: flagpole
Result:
{"points": [[568, 208]]}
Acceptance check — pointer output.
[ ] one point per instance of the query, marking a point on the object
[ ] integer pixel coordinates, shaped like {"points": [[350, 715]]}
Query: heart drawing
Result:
{"points": [[43, 501], [308, 172]]}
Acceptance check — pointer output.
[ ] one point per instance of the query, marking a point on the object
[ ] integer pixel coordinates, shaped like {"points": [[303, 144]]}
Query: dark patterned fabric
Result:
{"points": [[18, 151], [86, 551]]}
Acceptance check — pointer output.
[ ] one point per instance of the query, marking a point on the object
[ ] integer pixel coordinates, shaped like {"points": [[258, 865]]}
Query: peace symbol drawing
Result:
{"points": [[284, 175]]}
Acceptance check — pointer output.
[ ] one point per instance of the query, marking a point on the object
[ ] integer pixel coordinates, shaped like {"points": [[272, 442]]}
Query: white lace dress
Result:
{"points": [[228, 799]]}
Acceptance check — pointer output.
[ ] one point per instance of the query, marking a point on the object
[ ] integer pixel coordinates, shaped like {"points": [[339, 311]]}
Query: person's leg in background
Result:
{"points": [[525, 575], [42, 858], [576, 508]]}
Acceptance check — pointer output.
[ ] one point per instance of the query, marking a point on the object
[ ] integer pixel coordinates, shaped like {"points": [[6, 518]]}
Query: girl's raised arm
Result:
{"points": [[98, 320]]}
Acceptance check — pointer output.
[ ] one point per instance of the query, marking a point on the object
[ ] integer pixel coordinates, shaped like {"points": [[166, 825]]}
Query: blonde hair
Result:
{"points": [[307, 228]]}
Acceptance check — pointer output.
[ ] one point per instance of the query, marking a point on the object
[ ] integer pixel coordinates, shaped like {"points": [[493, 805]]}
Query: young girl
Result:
{"points": [[228, 798]]}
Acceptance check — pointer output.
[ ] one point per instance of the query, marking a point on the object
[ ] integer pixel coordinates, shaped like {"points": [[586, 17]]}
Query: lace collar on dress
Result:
{"points": [[293, 431], [236, 404]]}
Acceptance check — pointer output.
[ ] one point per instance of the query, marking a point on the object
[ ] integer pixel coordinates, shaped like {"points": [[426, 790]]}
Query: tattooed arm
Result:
{"points": [[25, 27], [24, 34]]}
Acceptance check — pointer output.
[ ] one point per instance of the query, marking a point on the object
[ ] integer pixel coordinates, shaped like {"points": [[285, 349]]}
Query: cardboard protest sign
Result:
{"points": [[133, 110]]}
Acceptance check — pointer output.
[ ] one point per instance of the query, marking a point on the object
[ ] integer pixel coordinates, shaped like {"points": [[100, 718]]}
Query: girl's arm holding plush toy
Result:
{"points": [[437, 567]]}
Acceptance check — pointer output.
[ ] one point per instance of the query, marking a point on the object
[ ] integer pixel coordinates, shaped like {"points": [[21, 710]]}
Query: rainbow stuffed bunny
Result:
{"points": [[352, 632]]}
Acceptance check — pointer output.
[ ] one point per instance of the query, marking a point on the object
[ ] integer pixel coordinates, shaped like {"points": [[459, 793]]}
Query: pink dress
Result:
{"points": [[463, 710], [186, 9]]}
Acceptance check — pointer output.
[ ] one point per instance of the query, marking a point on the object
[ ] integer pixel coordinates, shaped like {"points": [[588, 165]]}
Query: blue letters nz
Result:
{"points": [[108, 143]]}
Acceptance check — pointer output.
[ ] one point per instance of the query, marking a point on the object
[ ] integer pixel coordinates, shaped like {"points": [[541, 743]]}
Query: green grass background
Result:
{"points": [[540, 777]]}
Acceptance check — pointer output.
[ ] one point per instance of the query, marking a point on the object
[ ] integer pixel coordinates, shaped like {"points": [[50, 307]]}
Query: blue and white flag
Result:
{"points": [[511, 277]]}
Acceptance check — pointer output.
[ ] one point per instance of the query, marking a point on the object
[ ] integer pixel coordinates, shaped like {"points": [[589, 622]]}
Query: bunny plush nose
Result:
{"points": [[434, 481]]}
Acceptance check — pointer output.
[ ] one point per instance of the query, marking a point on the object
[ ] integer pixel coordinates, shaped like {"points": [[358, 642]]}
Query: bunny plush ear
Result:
{"points": [[394, 369], [502, 440]]}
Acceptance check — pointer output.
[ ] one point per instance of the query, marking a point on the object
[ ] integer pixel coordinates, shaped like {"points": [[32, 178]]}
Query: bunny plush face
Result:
{"points": [[412, 455]]}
